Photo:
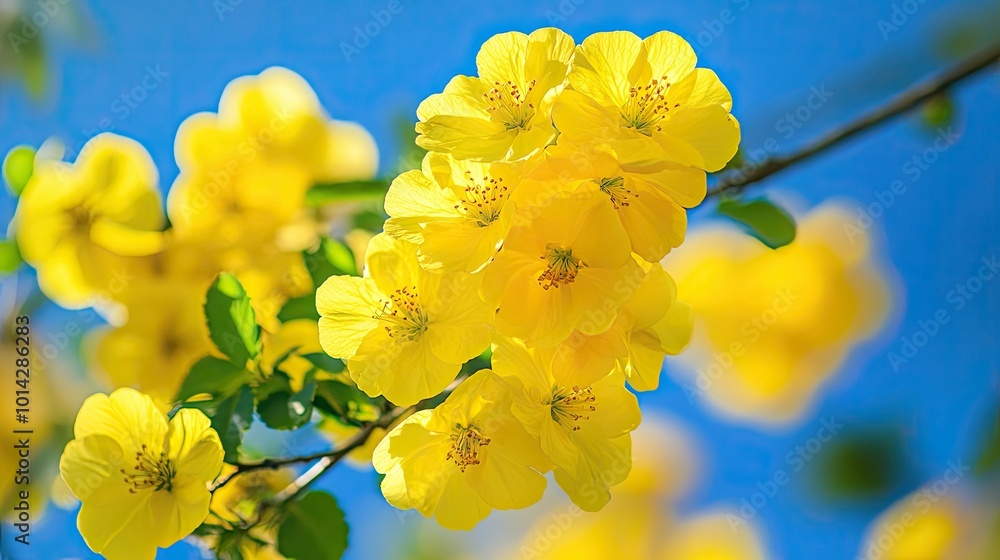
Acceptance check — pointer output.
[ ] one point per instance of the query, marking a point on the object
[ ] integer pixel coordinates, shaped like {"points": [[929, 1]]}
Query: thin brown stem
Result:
{"points": [[327, 459], [906, 101]]}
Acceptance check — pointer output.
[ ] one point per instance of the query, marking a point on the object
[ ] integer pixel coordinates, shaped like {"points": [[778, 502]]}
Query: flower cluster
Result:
{"points": [[556, 180], [96, 233]]}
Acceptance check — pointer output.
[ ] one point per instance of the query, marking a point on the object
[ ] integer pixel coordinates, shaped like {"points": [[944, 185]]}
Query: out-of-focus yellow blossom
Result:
{"points": [[164, 335], [583, 429], [925, 525], [240, 501], [405, 332], [771, 326], [143, 481], [566, 267], [245, 171], [78, 223], [648, 199], [648, 100], [457, 212], [293, 339], [651, 325], [464, 458], [505, 112], [641, 521], [624, 529], [710, 536]]}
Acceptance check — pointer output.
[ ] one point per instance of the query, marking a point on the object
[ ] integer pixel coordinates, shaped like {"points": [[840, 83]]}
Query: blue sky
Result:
{"points": [[773, 55]]}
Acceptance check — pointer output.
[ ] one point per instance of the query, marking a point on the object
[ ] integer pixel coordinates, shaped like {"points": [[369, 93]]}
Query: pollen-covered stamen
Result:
{"points": [[646, 106], [403, 316], [563, 267], [615, 188], [466, 443], [484, 199], [150, 471], [570, 406], [509, 105]]}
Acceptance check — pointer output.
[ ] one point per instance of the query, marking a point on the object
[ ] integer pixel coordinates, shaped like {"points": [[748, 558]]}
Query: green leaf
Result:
{"points": [[861, 464], [345, 403], [233, 417], [302, 307], [331, 258], [325, 362], [938, 112], [350, 191], [371, 220], [10, 257], [989, 457], [766, 221], [31, 61], [18, 167], [215, 376], [314, 529], [285, 410], [231, 322]]}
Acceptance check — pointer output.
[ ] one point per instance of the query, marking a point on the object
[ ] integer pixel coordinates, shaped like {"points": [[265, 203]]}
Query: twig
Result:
{"points": [[327, 459], [909, 99]]}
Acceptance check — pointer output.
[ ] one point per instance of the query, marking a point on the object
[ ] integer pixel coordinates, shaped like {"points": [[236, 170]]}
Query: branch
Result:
{"points": [[327, 459], [909, 99]]}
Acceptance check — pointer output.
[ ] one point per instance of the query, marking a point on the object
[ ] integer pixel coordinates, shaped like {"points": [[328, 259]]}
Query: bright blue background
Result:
{"points": [[769, 56]]}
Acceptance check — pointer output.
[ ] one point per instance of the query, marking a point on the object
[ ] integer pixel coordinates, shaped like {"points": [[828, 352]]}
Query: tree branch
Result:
{"points": [[327, 459], [906, 101]]}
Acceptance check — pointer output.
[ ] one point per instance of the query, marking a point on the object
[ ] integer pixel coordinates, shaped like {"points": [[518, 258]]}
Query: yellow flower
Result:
{"points": [[464, 458], [647, 98], [244, 172], [921, 526], [568, 266], [76, 223], [584, 430], [405, 331], [505, 112], [711, 536], [361, 457], [772, 326], [651, 325], [164, 335], [143, 481], [457, 212], [648, 199]]}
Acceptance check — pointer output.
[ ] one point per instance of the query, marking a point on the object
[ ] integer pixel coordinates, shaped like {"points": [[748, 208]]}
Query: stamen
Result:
{"points": [[569, 406], [646, 106], [150, 471], [509, 105], [563, 267], [403, 316], [466, 445], [483, 199], [615, 188]]}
